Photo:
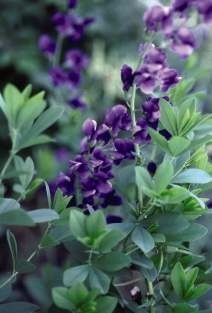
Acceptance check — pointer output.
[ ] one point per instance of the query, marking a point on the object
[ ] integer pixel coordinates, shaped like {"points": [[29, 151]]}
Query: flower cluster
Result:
{"points": [[154, 72], [102, 147], [172, 21], [66, 71]]}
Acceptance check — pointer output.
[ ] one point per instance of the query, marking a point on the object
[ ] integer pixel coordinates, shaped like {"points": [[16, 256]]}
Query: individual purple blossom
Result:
{"points": [[76, 59], [181, 5], [157, 18], [183, 41], [47, 45], [151, 167], [72, 4], [117, 118], [111, 219], [125, 149], [205, 9], [89, 127], [169, 77], [127, 77], [145, 79], [58, 76], [155, 58], [77, 103]]}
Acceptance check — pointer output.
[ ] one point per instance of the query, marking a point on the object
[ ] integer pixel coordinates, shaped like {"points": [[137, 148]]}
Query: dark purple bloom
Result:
{"points": [[151, 167], [124, 150], [89, 127], [72, 4], [127, 77], [73, 78], [181, 5], [165, 133], [183, 42], [118, 118], [103, 134], [155, 58], [77, 103], [58, 76], [76, 59], [158, 18], [145, 79], [111, 219], [60, 22], [169, 77], [47, 45], [205, 9], [112, 199]]}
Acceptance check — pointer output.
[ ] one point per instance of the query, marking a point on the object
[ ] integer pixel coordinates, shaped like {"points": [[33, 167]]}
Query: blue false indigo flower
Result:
{"points": [[77, 103], [127, 77], [47, 45], [76, 59], [183, 41], [158, 18], [58, 76], [117, 118], [151, 167], [169, 77], [72, 4], [89, 127]]}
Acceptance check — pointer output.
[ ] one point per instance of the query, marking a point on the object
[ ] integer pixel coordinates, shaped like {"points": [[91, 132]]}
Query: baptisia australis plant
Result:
{"points": [[126, 209], [67, 66], [139, 259]]}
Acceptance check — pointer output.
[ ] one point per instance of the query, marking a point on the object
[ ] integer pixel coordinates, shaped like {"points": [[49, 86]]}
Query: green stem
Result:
{"points": [[57, 55], [151, 294], [7, 163], [137, 148], [133, 117]]}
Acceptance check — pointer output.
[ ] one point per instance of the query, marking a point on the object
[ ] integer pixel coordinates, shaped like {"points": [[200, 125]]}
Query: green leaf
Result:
{"points": [[185, 308], [95, 224], [168, 117], [113, 261], [110, 240], [98, 280], [106, 304], [193, 176], [178, 279], [171, 223], [158, 139], [144, 181], [178, 144], [191, 276], [198, 291], [27, 167], [78, 294], [175, 194], [43, 215], [143, 239], [12, 214], [19, 307], [163, 176], [77, 274], [61, 298], [39, 140], [77, 223], [193, 232]]}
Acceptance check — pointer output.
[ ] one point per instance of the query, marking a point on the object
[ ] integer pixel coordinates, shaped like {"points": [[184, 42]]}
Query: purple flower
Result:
{"points": [[151, 167], [169, 77], [117, 118], [145, 79], [47, 45], [103, 134], [181, 5], [73, 78], [205, 9], [158, 18], [76, 59], [165, 133], [58, 76], [72, 4], [77, 103], [127, 77], [183, 42], [89, 127], [124, 150], [155, 58], [111, 219]]}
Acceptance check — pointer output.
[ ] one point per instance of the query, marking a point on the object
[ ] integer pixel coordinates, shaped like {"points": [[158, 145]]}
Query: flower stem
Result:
{"points": [[151, 294]]}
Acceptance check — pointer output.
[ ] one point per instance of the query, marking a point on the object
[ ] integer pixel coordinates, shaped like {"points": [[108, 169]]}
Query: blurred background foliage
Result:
{"points": [[111, 41]]}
